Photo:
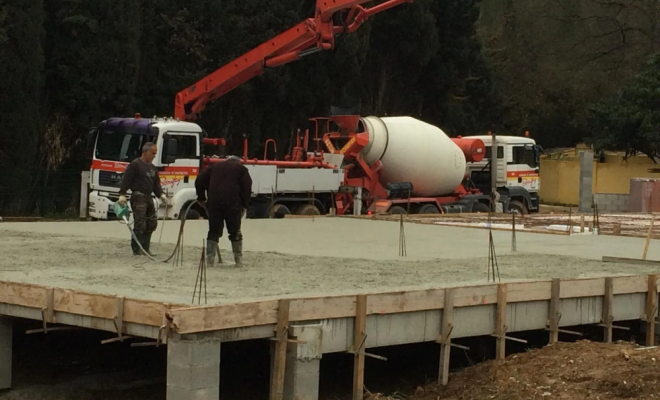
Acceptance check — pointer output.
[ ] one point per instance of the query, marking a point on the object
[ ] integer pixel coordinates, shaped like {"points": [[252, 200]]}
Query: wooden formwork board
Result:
{"points": [[52, 300], [228, 316], [184, 319], [628, 224]]}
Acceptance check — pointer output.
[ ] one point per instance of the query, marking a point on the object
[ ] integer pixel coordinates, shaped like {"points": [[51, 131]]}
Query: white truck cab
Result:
{"points": [[518, 171], [115, 142]]}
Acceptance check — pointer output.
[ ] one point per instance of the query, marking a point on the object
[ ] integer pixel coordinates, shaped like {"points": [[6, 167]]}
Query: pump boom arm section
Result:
{"points": [[310, 36]]}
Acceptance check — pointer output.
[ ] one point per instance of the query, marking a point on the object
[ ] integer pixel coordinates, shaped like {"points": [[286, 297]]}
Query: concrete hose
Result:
{"points": [[178, 242]]}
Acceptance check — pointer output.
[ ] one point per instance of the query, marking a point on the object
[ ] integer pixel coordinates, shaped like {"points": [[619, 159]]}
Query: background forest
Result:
{"points": [[566, 70]]}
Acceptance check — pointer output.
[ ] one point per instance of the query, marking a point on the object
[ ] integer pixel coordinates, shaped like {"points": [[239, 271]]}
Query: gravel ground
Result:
{"points": [[106, 265]]}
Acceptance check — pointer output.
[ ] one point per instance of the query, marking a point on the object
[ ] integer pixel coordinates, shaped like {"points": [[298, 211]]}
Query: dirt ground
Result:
{"points": [[106, 265], [567, 371]]}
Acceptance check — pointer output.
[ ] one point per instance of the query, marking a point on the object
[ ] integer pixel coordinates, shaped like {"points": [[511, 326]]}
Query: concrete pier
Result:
{"points": [[6, 335], [586, 180], [303, 362], [193, 368]]}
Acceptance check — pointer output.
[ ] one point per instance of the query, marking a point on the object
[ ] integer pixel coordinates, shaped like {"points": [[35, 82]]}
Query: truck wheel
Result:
{"points": [[429, 209], [480, 207], [517, 207], [193, 214], [398, 210], [278, 211], [307, 209]]}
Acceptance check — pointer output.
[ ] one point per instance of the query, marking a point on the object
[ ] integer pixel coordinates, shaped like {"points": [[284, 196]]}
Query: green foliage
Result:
{"points": [[21, 98], [466, 66], [630, 120]]}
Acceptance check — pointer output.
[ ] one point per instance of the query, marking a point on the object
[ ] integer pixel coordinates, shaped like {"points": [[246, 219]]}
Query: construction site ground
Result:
{"points": [[299, 257], [566, 371], [303, 256]]}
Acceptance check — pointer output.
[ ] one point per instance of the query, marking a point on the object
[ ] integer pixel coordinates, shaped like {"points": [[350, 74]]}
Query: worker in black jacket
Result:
{"points": [[142, 178], [229, 187]]}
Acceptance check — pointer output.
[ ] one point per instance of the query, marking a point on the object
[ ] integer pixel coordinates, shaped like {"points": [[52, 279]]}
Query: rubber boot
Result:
{"points": [[211, 249], [146, 243], [135, 247], [237, 248]]}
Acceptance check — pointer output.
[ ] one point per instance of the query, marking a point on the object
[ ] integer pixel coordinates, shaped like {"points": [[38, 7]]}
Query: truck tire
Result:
{"points": [[429, 209], [398, 210], [480, 207], [192, 213], [278, 211], [307, 209], [518, 207]]}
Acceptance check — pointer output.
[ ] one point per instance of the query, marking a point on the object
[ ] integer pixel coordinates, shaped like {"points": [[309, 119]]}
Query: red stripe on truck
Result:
{"points": [[116, 166]]}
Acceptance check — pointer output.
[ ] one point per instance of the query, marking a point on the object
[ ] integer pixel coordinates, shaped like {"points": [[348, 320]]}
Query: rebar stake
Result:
{"points": [[402, 238], [201, 278], [492, 257], [513, 232]]}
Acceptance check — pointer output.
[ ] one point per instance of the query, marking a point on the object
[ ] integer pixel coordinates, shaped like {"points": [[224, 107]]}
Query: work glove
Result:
{"points": [[122, 200], [164, 199]]}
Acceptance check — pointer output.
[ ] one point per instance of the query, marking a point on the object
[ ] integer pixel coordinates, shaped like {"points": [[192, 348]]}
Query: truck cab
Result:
{"points": [[518, 172], [114, 143]]}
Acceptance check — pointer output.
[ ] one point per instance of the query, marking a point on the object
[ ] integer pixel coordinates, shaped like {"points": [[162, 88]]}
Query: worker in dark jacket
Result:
{"points": [[142, 178], [229, 187]]}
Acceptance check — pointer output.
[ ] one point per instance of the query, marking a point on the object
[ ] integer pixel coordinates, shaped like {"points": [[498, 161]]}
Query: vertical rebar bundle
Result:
{"points": [[493, 267], [201, 278], [402, 239]]}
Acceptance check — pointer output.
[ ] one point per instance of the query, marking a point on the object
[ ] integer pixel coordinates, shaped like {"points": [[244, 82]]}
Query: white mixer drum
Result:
{"points": [[414, 151]]}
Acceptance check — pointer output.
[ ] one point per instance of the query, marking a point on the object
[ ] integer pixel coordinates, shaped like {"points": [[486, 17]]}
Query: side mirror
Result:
{"points": [[91, 142], [170, 156]]}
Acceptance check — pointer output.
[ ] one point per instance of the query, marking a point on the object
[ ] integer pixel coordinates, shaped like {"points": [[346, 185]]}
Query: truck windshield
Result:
{"points": [[119, 146], [525, 155]]}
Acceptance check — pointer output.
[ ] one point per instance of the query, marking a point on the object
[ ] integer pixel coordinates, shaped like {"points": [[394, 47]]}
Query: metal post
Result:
{"points": [[493, 170], [357, 202], [84, 195]]}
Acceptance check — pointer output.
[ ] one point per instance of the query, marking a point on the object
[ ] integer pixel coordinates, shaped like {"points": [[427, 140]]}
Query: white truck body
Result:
{"points": [[114, 148]]}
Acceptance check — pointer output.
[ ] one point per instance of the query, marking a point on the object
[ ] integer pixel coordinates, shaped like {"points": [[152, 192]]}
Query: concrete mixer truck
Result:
{"points": [[404, 165], [304, 184], [373, 164]]}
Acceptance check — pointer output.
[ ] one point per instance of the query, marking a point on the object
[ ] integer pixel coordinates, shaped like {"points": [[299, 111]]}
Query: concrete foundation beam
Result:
{"points": [[193, 369], [6, 335], [303, 363]]}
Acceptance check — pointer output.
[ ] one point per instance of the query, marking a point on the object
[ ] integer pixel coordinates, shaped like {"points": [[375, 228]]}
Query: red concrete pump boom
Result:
{"points": [[310, 36]]}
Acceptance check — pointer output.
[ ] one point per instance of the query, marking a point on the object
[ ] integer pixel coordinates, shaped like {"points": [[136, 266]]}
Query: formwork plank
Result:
{"points": [[630, 284], [144, 312], [575, 288], [528, 291], [359, 333], [80, 303], [399, 302], [279, 362], [445, 332], [93, 305], [333, 306], [227, 316], [187, 319], [23, 294]]}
